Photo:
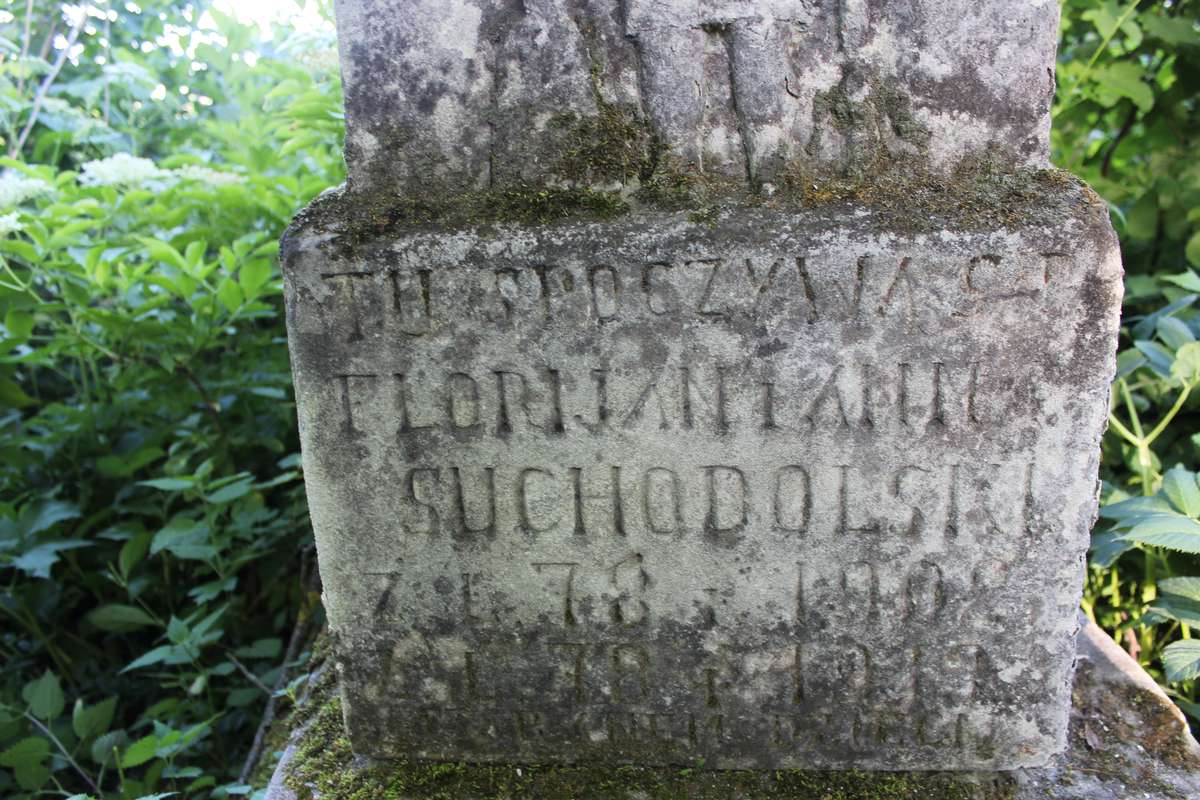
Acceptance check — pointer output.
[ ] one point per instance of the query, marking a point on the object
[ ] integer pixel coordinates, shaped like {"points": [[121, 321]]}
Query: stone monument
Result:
{"points": [[703, 379]]}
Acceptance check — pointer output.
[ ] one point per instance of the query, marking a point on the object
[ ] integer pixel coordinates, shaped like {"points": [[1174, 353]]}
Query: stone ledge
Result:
{"points": [[899, 197], [1127, 741]]}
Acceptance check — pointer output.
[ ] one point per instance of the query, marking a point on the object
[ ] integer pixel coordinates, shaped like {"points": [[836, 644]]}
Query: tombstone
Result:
{"points": [[710, 380]]}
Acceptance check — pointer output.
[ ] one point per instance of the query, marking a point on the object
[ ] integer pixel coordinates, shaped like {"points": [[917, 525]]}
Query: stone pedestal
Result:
{"points": [[649, 418], [772, 489]]}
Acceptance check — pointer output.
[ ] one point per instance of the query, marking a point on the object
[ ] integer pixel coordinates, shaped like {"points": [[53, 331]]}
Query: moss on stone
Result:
{"points": [[614, 145], [899, 195], [325, 766], [977, 193]]}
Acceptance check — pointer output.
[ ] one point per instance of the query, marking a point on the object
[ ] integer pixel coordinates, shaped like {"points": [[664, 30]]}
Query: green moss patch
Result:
{"points": [[326, 767], [978, 195]]}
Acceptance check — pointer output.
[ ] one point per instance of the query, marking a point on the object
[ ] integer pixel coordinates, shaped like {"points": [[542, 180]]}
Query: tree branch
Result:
{"points": [[250, 676], [293, 649], [25, 44], [44, 50], [65, 752], [47, 82], [1106, 164]]}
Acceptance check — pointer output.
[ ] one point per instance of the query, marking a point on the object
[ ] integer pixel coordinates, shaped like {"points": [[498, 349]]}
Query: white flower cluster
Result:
{"points": [[123, 169], [10, 223], [16, 189], [119, 170], [316, 49], [195, 172]]}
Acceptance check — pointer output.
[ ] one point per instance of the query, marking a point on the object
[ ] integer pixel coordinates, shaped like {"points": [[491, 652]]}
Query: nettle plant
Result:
{"points": [[1152, 523]]}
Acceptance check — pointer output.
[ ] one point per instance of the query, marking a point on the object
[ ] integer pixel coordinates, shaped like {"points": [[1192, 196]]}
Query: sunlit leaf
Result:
{"points": [[1181, 660], [1179, 485]]}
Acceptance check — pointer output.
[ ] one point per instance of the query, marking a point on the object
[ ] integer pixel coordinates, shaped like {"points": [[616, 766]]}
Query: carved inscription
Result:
{"points": [[811, 288], [719, 502], [836, 399], [633, 503], [852, 695]]}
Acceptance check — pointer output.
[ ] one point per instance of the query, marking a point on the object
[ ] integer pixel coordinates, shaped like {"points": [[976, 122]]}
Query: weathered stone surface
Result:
{"points": [[461, 95], [784, 456], [772, 489], [1127, 741]]}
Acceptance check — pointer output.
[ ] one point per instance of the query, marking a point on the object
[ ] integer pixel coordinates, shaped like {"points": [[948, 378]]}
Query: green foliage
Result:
{"points": [[152, 519], [1127, 120]]}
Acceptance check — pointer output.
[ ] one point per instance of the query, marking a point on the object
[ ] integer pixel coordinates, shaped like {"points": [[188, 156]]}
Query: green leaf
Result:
{"points": [[194, 254], [1176, 608], [38, 561], [149, 658], [1106, 16], [1141, 223], [1171, 30], [1186, 366], [184, 538], [262, 648], [18, 323], [102, 749], [1193, 250], [12, 395], [118, 618], [169, 484], [230, 295], [177, 631], [1175, 332], [140, 751], [1181, 587], [1188, 280], [1189, 708], [1107, 547], [133, 551], [1179, 485], [44, 696], [227, 494], [88, 721], [46, 515], [1124, 79], [1149, 323], [31, 776], [32, 749], [253, 276], [1182, 660], [164, 252], [1160, 358], [27, 760], [1172, 531], [1134, 508], [1128, 362]]}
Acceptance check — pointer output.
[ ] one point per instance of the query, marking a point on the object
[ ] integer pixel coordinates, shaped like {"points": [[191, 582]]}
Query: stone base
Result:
{"points": [[1126, 740], [780, 487]]}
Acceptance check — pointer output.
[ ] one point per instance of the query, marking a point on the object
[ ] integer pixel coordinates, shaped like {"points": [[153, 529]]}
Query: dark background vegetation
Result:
{"points": [[157, 596]]}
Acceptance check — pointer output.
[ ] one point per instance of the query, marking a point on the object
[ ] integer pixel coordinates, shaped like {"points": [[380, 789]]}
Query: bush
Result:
{"points": [[153, 523], [1126, 120]]}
